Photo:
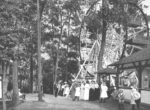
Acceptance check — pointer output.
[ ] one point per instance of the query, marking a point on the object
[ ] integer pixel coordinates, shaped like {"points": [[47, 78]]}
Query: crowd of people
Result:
{"points": [[83, 90], [92, 91]]}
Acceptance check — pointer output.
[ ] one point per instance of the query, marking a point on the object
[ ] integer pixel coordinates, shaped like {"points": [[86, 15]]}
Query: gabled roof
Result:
{"points": [[107, 71], [142, 55]]}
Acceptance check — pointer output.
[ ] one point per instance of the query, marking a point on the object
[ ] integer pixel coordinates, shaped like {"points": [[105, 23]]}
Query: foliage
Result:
{"points": [[61, 25]]}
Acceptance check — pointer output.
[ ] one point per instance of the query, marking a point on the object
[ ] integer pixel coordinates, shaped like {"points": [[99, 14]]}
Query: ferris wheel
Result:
{"points": [[89, 55], [135, 38]]}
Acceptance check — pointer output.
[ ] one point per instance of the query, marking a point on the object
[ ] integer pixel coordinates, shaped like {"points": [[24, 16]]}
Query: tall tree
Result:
{"points": [[15, 97], [39, 53], [104, 29]]}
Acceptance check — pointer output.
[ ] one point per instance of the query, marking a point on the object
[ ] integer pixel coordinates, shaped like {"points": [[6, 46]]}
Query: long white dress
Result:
{"points": [[77, 93], [66, 91], [104, 90], [86, 91], [82, 92]]}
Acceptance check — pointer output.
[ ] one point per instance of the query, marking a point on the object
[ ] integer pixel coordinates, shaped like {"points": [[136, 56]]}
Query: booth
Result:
{"points": [[140, 62]]}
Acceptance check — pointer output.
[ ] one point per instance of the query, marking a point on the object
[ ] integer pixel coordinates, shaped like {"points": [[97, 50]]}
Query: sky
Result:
{"points": [[147, 3]]}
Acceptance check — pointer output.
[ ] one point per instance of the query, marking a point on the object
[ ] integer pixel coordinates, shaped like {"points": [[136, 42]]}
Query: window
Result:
{"points": [[146, 81]]}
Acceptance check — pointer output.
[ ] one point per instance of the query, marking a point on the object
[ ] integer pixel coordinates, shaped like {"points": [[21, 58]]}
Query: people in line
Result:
{"points": [[85, 91]]}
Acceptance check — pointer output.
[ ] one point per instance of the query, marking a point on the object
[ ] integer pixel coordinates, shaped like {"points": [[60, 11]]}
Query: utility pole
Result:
{"points": [[39, 53]]}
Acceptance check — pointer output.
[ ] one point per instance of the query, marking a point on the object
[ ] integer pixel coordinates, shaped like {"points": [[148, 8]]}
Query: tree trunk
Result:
{"points": [[54, 77], [31, 74], [39, 54], [15, 97], [57, 59], [103, 41], [3, 82], [66, 76]]}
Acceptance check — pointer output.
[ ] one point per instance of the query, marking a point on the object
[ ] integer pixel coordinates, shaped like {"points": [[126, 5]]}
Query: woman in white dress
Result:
{"points": [[78, 92], [66, 90], [86, 91], [82, 91], [104, 90]]}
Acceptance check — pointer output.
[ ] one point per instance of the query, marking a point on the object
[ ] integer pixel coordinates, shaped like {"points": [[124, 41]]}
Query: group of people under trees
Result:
{"points": [[88, 90], [85, 90], [91, 91], [61, 88]]}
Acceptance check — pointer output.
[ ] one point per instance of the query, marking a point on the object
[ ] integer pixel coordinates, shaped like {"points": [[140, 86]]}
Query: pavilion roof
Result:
{"points": [[107, 71], [142, 55], [138, 42]]}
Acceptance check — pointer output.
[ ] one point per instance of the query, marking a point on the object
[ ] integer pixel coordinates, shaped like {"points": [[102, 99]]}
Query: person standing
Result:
{"points": [[73, 91], [132, 100], [66, 93], [104, 90], [55, 89], [64, 88], [92, 91], [82, 91], [121, 99], [135, 99], [77, 92], [86, 91]]}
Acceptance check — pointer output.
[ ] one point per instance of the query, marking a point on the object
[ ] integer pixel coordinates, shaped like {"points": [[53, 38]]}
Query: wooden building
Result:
{"points": [[140, 63]]}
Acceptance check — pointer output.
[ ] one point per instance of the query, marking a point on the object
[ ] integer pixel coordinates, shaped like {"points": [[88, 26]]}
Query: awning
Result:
{"points": [[138, 42], [131, 61]]}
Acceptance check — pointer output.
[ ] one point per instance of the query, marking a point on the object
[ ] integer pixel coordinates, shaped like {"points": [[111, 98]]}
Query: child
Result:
{"points": [[121, 99]]}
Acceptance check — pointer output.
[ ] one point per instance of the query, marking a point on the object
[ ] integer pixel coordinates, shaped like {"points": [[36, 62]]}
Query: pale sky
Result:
{"points": [[147, 3]]}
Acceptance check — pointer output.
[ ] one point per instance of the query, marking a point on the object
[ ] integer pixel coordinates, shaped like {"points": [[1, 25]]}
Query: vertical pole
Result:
{"points": [[109, 80], [140, 70], [39, 53]]}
